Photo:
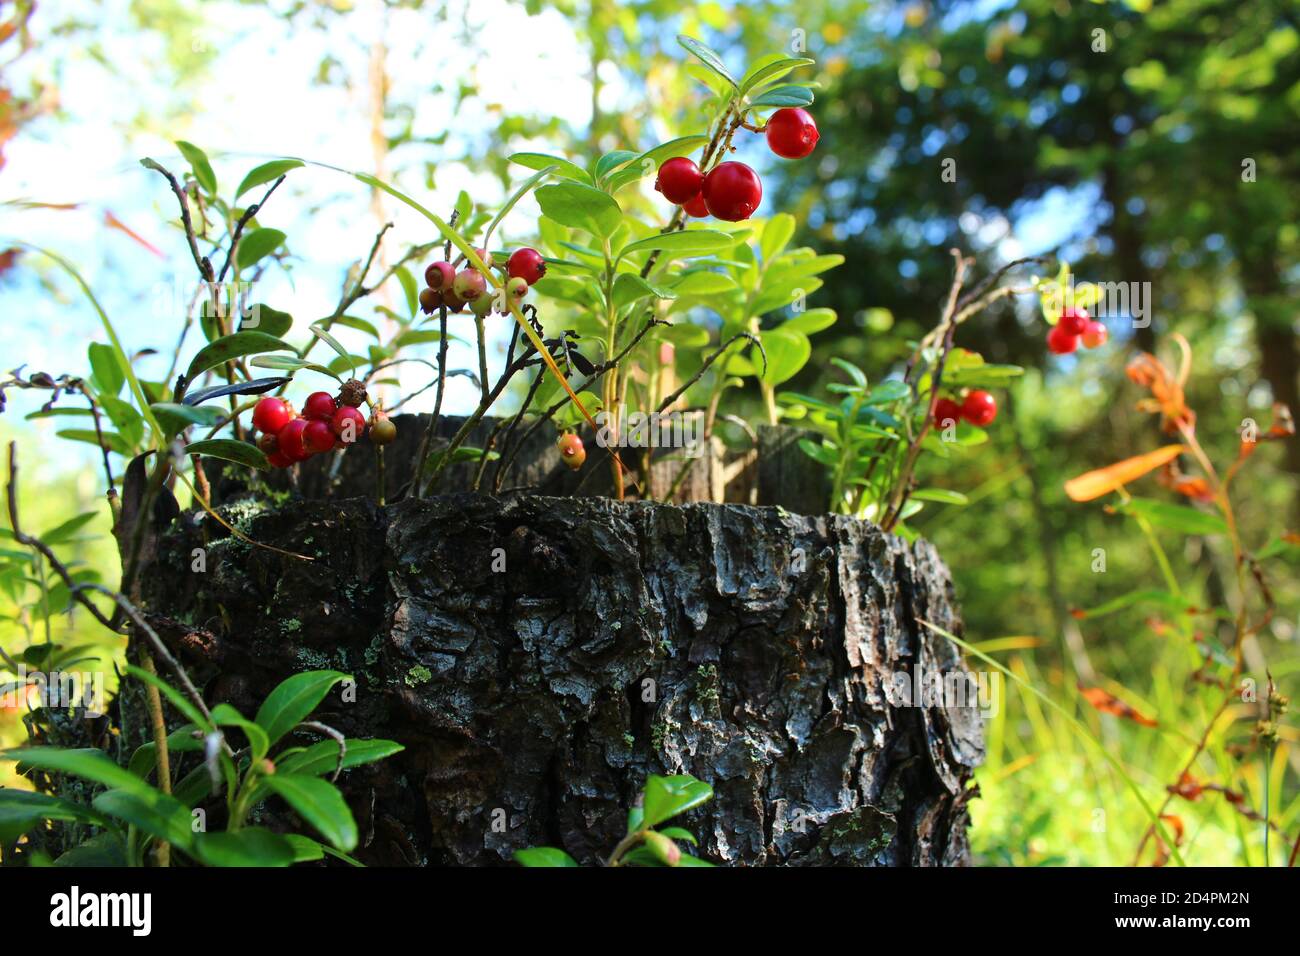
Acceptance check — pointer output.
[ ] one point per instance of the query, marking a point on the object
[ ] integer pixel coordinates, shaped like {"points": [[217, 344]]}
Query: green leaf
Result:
{"points": [[255, 386], [227, 716], [323, 757], [782, 96], [629, 287], [771, 68], [332, 342], [227, 449], [320, 804], [152, 811], [813, 320], [257, 245], [103, 851], [562, 166], [230, 347], [293, 700], [888, 392], [1165, 599], [702, 283], [305, 849], [544, 856], [708, 56], [361, 325], [685, 242], [174, 697], [68, 529], [250, 846], [667, 797], [176, 418], [580, 207], [106, 372], [649, 162], [787, 352], [981, 376], [22, 810], [410, 290], [291, 363], [776, 235], [87, 763], [1182, 518], [858, 377], [820, 453], [109, 440], [680, 833], [263, 318], [265, 174], [198, 161], [941, 495], [612, 161]]}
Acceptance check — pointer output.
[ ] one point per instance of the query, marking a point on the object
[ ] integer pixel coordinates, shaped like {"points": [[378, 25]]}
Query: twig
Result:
{"points": [[238, 231]]}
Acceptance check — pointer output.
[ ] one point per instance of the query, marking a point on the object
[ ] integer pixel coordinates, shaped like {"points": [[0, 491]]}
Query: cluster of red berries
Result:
{"points": [[445, 286], [979, 408], [326, 421], [571, 451], [731, 191], [1076, 326]]}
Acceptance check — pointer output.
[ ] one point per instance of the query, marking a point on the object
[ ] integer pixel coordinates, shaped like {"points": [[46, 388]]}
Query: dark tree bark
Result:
{"points": [[752, 648]]}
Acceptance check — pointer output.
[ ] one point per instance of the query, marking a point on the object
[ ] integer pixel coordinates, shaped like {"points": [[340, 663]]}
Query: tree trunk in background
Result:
{"points": [[1127, 236], [755, 649]]}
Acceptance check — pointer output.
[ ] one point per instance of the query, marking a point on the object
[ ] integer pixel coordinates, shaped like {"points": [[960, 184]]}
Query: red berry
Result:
{"points": [[279, 459], [268, 443], [429, 301], [526, 264], [452, 301], [946, 413], [469, 284], [791, 133], [439, 275], [679, 179], [732, 191], [319, 405], [290, 439], [271, 414], [1061, 341], [349, 424], [1075, 321], [980, 408], [485, 256], [571, 451], [1095, 335], [695, 207], [318, 436]]}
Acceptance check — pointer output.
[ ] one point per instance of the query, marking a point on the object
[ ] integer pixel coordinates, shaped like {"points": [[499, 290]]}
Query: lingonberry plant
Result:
{"points": [[647, 841], [127, 821]]}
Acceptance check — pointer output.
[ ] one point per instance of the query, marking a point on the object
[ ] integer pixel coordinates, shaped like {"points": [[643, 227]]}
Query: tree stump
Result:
{"points": [[538, 657]]}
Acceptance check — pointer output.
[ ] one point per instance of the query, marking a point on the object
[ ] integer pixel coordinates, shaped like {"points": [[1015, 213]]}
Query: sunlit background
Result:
{"points": [[1127, 159]]}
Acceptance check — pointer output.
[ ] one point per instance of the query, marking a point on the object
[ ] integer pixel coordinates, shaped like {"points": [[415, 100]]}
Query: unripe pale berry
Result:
{"points": [[526, 264], [1060, 341], [571, 451], [732, 191], [980, 408], [791, 133], [1095, 336], [271, 414], [482, 305], [430, 299], [439, 275], [469, 284], [679, 179], [319, 405], [382, 430], [517, 287]]}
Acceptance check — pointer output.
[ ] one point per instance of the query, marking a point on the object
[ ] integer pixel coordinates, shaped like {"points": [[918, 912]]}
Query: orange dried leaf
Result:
{"points": [[1108, 703], [1187, 788], [114, 223], [1103, 481]]}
